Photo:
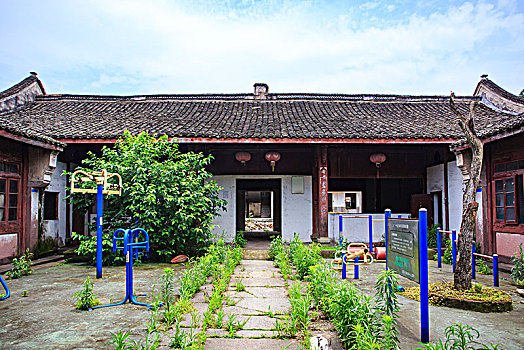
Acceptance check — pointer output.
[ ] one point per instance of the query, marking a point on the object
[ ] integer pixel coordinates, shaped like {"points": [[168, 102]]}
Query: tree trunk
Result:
{"points": [[462, 277]]}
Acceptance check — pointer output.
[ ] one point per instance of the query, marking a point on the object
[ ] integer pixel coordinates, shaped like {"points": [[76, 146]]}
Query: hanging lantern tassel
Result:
{"points": [[272, 158]]}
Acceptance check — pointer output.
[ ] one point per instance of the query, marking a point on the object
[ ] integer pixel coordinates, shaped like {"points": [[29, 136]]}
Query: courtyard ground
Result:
{"points": [[46, 318]]}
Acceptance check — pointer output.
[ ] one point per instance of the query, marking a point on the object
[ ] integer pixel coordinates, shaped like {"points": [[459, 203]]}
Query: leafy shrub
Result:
{"points": [[240, 240], [321, 280], [305, 257], [168, 193], [459, 337], [88, 245], [361, 322], [432, 236], [517, 271], [483, 267], [275, 247], [85, 298], [349, 308], [21, 266], [447, 257]]}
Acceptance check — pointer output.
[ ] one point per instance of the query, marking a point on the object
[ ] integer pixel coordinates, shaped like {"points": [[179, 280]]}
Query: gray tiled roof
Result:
{"points": [[240, 116], [16, 127], [21, 85], [500, 91]]}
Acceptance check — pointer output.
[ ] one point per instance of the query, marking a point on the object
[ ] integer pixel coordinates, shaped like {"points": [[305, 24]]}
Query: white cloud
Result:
{"points": [[163, 46]]}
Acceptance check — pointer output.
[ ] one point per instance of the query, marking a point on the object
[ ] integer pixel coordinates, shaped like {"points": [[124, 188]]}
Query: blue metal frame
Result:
{"points": [[439, 249], [7, 290], [454, 247], [99, 215], [387, 215], [473, 276], [495, 270], [424, 279], [340, 231], [343, 266], [370, 231], [356, 268], [131, 249]]}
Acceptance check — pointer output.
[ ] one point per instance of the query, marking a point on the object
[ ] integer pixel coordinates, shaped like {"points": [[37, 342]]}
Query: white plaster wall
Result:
{"points": [[356, 229], [435, 182], [455, 191], [57, 228], [297, 209]]}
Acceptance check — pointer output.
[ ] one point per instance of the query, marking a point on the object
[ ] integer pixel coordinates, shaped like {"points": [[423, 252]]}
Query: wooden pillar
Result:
{"points": [[322, 193]]}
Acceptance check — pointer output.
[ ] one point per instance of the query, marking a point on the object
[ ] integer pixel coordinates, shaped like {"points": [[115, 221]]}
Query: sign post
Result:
{"points": [[424, 278], [407, 254], [103, 186]]}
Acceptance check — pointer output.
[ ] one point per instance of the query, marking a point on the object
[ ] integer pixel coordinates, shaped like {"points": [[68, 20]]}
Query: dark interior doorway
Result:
{"points": [[259, 206]]}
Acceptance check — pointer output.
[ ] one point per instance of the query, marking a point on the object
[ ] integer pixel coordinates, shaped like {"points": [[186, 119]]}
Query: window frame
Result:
{"points": [[504, 175], [7, 225], [56, 208]]}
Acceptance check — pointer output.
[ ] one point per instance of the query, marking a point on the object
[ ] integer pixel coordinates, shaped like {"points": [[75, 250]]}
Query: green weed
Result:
{"points": [[85, 297]]}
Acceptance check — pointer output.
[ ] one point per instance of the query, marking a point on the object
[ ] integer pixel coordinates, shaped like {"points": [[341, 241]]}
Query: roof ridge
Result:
{"points": [[20, 86], [501, 91], [244, 96]]}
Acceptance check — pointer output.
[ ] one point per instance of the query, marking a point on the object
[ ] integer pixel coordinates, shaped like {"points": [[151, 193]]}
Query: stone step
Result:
{"points": [[255, 254]]}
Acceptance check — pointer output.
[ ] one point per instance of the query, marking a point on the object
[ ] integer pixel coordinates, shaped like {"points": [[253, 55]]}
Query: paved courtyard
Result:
{"points": [[46, 318]]}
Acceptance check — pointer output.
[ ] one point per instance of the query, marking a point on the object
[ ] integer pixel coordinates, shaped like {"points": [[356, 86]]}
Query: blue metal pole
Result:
{"points": [[99, 215], [340, 230], [387, 215], [370, 229], [343, 266], [473, 262], [454, 247], [7, 290], [125, 240], [495, 270], [356, 268], [439, 249], [424, 279]]}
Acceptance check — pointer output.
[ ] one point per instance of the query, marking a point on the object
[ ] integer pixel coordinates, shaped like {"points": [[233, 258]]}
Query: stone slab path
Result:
{"points": [[258, 307]]}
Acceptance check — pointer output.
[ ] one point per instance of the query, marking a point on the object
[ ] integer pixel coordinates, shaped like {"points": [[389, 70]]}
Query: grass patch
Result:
{"points": [[478, 298]]}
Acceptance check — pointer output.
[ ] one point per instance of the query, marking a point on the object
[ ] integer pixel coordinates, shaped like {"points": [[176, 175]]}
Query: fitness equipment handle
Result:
{"points": [[116, 238], [137, 245]]}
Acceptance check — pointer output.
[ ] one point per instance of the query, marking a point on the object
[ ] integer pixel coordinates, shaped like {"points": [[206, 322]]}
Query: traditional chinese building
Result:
{"points": [[286, 162]]}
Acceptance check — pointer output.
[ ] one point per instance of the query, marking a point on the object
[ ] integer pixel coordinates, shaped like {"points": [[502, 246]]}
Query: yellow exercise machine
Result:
{"points": [[351, 256], [98, 177], [103, 186]]}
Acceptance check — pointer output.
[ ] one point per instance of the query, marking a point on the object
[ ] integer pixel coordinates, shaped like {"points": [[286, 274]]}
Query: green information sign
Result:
{"points": [[402, 248]]}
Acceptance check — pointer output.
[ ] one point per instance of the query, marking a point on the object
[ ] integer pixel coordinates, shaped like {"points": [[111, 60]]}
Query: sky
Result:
{"points": [[125, 47]]}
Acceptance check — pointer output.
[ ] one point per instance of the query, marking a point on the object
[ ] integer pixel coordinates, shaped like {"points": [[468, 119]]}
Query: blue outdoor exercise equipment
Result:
{"points": [[7, 291], [131, 249]]}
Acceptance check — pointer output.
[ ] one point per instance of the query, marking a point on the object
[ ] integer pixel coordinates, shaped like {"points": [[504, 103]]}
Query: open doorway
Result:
{"points": [[259, 211], [258, 207]]}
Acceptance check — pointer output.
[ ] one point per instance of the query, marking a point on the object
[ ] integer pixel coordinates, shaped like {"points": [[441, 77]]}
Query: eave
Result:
{"points": [[280, 140], [29, 141]]}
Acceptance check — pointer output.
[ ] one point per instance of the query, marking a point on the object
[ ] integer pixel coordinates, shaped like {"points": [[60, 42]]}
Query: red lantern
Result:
{"points": [[243, 157], [272, 158], [377, 159]]}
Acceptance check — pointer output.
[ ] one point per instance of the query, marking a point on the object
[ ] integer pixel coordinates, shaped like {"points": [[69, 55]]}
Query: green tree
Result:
{"points": [[164, 191]]}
